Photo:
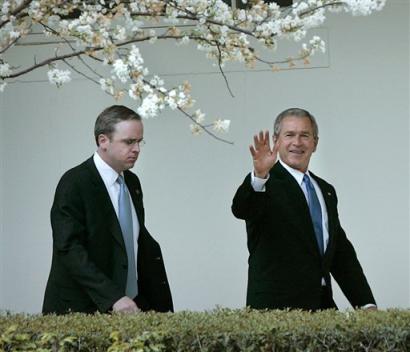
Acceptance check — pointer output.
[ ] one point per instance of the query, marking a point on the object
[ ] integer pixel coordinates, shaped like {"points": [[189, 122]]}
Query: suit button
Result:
{"points": [[158, 258], [164, 282]]}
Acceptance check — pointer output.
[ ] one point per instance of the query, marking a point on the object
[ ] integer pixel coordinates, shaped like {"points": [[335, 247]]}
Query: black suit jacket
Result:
{"points": [[285, 266], [89, 263]]}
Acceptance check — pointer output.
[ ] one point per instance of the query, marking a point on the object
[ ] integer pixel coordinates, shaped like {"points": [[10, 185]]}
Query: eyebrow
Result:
{"points": [[300, 132], [133, 139]]}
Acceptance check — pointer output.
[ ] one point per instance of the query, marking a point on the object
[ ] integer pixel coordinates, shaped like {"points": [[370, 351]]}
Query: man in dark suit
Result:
{"points": [[104, 259], [295, 239]]}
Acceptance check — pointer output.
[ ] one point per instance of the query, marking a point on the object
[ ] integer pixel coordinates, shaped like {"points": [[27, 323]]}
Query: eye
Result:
{"points": [[129, 141]]}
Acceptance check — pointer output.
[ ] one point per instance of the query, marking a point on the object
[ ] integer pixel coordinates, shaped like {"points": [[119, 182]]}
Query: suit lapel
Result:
{"points": [[330, 197], [295, 204], [136, 194], [104, 201]]}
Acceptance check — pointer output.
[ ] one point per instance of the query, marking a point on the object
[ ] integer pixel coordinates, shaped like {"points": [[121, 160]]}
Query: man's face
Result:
{"points": [[122, 149], [296, 142]]}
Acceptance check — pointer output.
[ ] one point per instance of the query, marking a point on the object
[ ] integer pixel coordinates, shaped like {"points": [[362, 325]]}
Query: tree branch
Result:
{"points": [[22, 6]]}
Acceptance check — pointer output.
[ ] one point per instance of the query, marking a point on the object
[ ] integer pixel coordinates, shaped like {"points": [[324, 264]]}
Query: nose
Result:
{"points": [[136, 147], [297, 140]]}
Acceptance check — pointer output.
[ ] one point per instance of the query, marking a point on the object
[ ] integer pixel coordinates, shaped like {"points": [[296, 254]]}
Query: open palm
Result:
{"points": [[264, 157]]}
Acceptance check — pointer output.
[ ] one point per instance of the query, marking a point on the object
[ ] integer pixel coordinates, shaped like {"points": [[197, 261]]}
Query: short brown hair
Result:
{"points": [[106, 121]]}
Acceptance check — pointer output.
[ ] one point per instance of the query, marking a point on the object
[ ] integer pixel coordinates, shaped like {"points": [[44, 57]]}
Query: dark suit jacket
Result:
{"points": [[285, 266], [89, 264]]}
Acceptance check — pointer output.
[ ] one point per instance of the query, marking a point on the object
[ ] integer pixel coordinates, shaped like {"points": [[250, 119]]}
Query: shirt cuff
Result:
{"points": [[258, 184]]}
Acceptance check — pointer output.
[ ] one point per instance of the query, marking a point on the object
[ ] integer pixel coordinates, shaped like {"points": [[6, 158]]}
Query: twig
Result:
{"points": [[203, 127], [9, 45], [80, 73], [222, 71], [73, 50]]}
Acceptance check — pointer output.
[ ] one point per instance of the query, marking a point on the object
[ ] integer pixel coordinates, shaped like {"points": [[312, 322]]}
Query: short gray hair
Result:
{"points": [[296, 112]]}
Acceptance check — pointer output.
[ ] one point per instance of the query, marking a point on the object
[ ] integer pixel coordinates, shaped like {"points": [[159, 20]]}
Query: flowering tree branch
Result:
{"points": [[108, 32]]}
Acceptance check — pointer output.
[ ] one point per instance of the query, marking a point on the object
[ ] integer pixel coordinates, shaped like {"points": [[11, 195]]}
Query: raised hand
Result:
{"points": [[263, 156]]}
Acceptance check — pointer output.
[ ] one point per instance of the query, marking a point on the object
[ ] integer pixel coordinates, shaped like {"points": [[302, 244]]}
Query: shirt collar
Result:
{"points": [[298, 175], [108, 174]]}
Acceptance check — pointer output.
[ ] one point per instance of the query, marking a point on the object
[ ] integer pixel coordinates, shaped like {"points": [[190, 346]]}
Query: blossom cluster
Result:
{"points": [[108, 32], [59, 77]]}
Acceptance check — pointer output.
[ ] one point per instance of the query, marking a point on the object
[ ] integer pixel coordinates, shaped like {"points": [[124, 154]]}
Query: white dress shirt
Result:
{"points": [[110, 176]]}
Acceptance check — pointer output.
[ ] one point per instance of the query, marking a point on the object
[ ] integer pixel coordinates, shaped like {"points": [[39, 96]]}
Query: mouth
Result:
{"points": [[297, 152]]}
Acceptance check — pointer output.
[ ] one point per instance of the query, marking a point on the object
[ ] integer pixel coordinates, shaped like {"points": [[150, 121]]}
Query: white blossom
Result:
{"points": [[317, 43], [84, 29], [195, 129], [5, 70], [120, 69], [147, 88], [149, 107], [156, 81], [153, 36], [104, 30], [134, 58], [59, 77], [2, 86], [221, 125], [199, 116], [364, 7], [120, 34], [242, 15], [132, 91], [172, 103], [184, 40], [5, 8], [107, 85]]}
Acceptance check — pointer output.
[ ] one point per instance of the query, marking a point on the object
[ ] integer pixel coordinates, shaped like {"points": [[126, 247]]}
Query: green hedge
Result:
{"points": [[219, 330]]}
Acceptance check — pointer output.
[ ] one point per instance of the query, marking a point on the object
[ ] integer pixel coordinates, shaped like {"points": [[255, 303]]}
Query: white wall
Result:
{"points": [[359, 92]]}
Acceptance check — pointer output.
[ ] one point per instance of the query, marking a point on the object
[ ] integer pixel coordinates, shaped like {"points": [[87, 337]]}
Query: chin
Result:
{"points": [[297, 166]]}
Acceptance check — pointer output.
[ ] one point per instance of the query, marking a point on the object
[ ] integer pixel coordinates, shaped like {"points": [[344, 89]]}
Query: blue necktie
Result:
{"points": [[125, 219], [315, 212]]}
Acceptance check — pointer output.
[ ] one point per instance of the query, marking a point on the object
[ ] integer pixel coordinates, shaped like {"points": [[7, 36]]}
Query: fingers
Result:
{"points": [[253, 151], [256, 140], [266, 137], [261, 140]]}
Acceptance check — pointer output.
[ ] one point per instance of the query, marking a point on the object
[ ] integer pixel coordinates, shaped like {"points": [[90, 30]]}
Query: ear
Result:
{"points": [[316, 143], [103, 141]]}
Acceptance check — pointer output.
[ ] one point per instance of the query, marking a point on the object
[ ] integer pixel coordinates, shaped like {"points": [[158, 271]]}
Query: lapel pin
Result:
{"points": [[329, 194], [137, 191]]}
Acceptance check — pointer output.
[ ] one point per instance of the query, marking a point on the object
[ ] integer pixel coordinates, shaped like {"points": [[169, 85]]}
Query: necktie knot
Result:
{"points": [[306, 180]]}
